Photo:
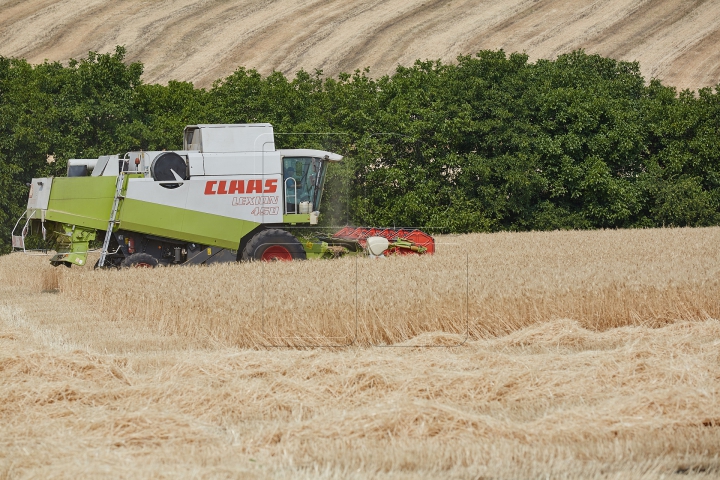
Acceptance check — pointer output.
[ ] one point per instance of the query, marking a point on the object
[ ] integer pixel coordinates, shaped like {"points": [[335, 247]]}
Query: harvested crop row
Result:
{"points": [[553, 398], [584, 354]]}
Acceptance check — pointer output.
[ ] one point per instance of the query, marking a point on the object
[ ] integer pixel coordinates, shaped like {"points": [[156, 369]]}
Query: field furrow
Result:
{"points": [[205, 41]]}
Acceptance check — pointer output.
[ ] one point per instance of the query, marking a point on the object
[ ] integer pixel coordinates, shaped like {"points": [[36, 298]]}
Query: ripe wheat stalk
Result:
{"points": [[474, 287], [571, 354]]}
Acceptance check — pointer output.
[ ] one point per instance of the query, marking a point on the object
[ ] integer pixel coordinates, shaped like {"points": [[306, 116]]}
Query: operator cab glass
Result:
{"points": [[303, 178], [192, 139]]}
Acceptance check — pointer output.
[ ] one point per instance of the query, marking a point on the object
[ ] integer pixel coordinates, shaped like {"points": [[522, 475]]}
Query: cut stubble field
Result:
{"points": [[201, 42], [512, 355]]}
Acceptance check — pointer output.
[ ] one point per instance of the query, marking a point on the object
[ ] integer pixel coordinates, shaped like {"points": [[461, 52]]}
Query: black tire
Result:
{"points": [[273, 244], [140, 260]]}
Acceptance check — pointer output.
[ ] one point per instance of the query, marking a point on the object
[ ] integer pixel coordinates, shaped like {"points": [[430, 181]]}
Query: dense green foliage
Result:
{"points": [[490, 143]]}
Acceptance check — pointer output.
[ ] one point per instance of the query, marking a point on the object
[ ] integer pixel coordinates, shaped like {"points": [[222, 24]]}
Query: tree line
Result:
{"points": [[491, 142]]}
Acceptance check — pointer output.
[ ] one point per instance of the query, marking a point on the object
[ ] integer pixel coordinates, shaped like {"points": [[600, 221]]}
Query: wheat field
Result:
{"points": [[511, 355]]}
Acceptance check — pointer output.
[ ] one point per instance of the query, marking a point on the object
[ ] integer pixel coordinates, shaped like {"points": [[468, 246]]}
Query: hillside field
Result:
{"points": [[585, 354], [203, 41]]}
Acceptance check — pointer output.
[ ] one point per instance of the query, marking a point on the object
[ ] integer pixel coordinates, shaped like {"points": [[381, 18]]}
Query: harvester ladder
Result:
{"points": [[113, 215]]}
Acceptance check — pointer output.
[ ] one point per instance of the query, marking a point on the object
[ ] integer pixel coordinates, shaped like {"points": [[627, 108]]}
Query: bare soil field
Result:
{"points": [[513, 355], [202, 41]]}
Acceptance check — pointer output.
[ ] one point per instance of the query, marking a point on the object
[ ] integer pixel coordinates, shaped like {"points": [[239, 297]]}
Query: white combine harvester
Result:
{"points": [[227, 196]]}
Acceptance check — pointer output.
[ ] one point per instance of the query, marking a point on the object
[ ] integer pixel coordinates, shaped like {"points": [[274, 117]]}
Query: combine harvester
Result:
{"points": [[227, 196]]}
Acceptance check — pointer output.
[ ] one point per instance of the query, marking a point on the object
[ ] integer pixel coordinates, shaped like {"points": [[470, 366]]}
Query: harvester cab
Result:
{"points": [[228, 195]]}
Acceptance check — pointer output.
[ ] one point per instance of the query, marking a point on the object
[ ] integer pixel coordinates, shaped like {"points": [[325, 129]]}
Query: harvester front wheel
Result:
{"points": [[140, 260], [273, 245]]}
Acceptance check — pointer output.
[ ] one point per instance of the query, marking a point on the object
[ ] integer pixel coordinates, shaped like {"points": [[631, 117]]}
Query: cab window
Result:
{"points": [[302, 177], [192, 139]]}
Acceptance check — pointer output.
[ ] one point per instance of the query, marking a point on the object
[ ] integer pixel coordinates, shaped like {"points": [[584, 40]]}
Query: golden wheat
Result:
{"points": [[571, 354]]}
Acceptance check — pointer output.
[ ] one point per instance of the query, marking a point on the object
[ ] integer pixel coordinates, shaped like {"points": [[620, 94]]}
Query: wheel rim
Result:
{"points": [[276, 252], [143, 265]]}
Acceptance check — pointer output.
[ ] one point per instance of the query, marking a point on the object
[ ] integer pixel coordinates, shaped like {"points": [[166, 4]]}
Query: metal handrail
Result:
{"points": [[295, 210], [44, 252], [18, 222], [23, 234]]}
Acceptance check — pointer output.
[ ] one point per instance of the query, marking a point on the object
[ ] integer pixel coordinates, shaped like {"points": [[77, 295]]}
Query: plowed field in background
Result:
{"points": [[557, 355], [201, 41]]}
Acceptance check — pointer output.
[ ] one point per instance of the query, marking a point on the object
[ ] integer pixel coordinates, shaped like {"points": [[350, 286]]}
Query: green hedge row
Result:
{"points": [[492, 142]]}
